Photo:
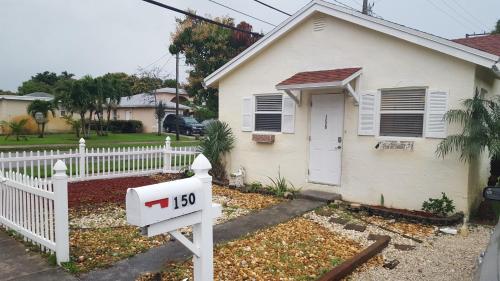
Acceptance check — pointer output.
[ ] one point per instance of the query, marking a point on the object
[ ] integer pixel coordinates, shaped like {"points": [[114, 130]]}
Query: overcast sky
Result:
{"points": [[99, 36]]}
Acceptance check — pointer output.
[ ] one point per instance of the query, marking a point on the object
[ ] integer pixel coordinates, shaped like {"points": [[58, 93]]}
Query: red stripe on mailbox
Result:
{"points": [[163, 203]]}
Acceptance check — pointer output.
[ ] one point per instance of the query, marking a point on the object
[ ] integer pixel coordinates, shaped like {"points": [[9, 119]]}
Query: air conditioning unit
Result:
{"points": [[395, 145]]}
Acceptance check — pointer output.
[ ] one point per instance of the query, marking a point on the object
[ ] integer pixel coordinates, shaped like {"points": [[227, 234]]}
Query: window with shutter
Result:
{"points": [[402, 112], [268, 112]]}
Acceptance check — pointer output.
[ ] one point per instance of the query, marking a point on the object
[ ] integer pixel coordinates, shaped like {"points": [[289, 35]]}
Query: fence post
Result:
{"points": [[60, 184], [81, 153], [167, 156], [203, 232]]}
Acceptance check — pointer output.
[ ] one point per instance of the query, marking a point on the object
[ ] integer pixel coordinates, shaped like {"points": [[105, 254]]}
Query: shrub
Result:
{"points": [[121, 126], [15, 128], [219, 140], [279, 186], [441, 206], [255, 186]]}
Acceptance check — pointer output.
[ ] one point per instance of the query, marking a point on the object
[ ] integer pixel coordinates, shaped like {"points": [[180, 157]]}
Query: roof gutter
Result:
{"points": [[496, 68]]}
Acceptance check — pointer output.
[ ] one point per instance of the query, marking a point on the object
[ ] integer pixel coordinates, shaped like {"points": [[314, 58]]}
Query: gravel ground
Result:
{"points": [[114, 215], [440, 256]]}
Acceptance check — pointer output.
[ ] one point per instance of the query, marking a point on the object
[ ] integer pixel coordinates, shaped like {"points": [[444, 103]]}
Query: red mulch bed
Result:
{"points": [[103, 191]]}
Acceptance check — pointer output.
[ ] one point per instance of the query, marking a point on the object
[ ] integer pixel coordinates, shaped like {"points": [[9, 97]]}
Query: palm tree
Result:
{"points": [[160, 112], [43, 107], [480, 120], [15, 128], [219, 140]]}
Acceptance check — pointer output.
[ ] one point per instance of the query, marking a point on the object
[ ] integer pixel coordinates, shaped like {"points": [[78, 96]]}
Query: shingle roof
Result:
{"points": [[145, 100], [321, 76], [487, 43], [39, 94], [171, 91]]}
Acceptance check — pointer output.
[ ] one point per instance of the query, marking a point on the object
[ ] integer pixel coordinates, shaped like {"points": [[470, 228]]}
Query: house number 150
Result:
{"points": [[186, 199]]}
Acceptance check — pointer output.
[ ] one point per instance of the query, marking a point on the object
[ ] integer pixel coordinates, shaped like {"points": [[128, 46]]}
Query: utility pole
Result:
{"points": [[177, 96], [365, 7]]}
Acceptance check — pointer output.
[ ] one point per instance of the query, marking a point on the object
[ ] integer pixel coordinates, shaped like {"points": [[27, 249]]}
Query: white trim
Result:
{"points": [[411, 35]]}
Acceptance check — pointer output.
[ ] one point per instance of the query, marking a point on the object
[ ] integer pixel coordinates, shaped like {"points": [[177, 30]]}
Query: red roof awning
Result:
{"points": [[312, 79], [487, 43]]}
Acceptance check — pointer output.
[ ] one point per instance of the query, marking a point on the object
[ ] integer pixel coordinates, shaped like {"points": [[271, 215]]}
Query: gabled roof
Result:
{"points": [[28, 97], [488, 43], [436, 43], [319, 77], [145, 100], [171, 91]]}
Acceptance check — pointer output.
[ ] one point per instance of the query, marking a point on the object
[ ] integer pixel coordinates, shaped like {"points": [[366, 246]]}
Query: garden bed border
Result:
{"points": [[396, 214], [347, 267]]}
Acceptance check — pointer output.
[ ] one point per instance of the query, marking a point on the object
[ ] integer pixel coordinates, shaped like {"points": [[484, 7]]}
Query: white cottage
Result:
{"points": [[344, 102]]}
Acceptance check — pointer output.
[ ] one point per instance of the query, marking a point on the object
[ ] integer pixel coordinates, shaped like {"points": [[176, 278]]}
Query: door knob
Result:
{"points": [[339, 147]]}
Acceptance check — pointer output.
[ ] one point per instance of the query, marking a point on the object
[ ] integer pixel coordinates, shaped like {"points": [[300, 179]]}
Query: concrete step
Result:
{"points": [[321, 196]]}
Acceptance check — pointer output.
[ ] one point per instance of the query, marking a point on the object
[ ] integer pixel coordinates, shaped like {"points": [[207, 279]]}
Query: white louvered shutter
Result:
{"points": [[288, 123], [437, 105], [367, 120], [247, 115]]}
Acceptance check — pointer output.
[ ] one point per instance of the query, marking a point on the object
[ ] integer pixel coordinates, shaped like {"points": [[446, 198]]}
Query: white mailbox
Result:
{"points": [[151, 204], [166, 207]]}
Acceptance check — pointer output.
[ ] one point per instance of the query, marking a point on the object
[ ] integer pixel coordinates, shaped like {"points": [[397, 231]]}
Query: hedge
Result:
{"points": [[121, 126]]}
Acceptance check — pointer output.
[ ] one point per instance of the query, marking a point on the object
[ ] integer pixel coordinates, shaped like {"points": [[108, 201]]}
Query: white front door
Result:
{"points": [[128, 115], [327, 125]]}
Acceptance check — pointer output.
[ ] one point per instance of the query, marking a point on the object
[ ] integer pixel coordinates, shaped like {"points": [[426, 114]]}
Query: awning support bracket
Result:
{"points": [[296, 98], [353, 93]]}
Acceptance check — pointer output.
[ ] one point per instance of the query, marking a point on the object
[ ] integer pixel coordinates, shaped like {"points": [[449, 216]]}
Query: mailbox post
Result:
{"points": [[167, 207]]}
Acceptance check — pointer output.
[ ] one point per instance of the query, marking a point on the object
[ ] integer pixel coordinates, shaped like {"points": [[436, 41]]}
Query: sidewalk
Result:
{"points": [[155, 259], [17, 264]]}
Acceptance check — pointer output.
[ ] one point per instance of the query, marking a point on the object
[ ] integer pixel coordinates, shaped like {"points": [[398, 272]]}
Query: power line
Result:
{"points": [[467, 19], [241, 13], [446, 13], [470, 14], [201, 18], [156, 60], [269, 6]]}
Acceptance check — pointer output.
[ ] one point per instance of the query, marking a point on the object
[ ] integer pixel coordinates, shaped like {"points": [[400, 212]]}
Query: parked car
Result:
{"points": [[207, 122], [187, 125], [489, 267]]}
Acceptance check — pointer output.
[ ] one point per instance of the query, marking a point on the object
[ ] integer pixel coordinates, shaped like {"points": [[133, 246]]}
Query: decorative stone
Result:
{"points": [[391, 264], [339, 220], [357, 227], [403, 247], [263, 138], [288, 195], [355, 206], [375, 237]]}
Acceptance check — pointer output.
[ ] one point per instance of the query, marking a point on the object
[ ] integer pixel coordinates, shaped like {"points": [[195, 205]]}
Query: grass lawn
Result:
{"points": [[111, 140]]}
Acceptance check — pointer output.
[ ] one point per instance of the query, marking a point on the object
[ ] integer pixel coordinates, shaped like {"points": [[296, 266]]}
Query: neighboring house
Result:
{"points": [[14, 106], [142, 107], [168, 94], [344, 102]]}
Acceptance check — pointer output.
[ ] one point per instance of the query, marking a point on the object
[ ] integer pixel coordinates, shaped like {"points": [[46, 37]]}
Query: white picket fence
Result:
{"points": [[37, 209], [97, 163]]}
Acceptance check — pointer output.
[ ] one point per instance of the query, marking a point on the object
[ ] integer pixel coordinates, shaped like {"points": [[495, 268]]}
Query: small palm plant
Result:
{"points": [[44, 107], [16, 128], [219, 140], [480, 120]]}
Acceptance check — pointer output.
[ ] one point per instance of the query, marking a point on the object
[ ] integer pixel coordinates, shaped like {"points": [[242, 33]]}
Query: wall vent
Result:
{"points": [[319, 24]]}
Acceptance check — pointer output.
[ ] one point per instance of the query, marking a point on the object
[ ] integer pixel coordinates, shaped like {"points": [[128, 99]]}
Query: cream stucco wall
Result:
{"points": [[14, 108], [144, 114], [405, 179]]}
